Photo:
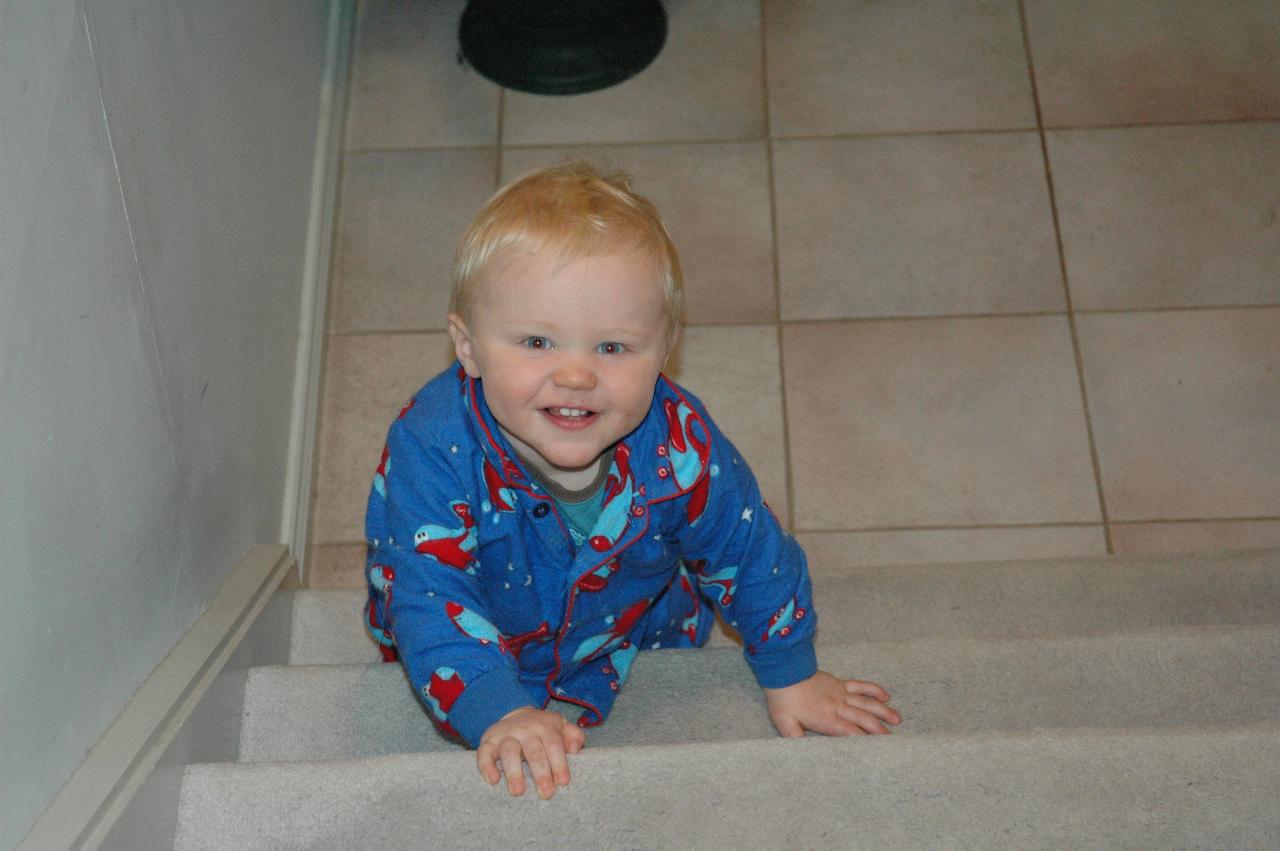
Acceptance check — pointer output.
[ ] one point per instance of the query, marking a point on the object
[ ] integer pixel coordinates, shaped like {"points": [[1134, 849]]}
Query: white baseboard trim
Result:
{"points": [[86, 807], [309, 360]]}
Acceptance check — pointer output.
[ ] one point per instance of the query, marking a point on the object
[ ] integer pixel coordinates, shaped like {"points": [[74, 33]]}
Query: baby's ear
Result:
{"points": [[462, 345], [671, 344]]}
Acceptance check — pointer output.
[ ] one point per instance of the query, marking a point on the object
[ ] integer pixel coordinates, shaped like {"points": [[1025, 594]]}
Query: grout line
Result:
{"points": [[1168, 520], [636, 143], [899, 134], [943, 527], [1095, 311], [980, 131], [391, 332], [419, 149], [1210, 122], [959, 528], [640, 143], [744, 324], [777, 278], [1102, 311], [810, 137], [850, 320], [923, 317], [1066, 285]]}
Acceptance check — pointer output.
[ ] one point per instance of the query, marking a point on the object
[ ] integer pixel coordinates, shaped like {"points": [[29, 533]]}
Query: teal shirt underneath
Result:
{"points": [[581, 516], [581, 508]]}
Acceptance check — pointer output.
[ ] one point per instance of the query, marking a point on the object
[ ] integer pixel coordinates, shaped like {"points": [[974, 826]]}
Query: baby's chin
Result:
{"points": [[570, 462]]}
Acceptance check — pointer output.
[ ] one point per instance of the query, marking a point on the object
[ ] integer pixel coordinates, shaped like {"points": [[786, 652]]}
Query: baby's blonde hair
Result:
{"points": [[569, 211]]}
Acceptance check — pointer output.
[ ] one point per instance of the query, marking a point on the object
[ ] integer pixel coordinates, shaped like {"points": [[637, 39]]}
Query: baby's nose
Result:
{"points": [[575, 375]]}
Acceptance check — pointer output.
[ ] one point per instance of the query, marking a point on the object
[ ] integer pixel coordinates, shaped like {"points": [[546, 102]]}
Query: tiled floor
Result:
{"points": [[968, 279]]}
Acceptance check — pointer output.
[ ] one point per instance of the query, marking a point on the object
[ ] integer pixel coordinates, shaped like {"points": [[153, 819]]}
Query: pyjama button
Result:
{"points": [[541, 509]]}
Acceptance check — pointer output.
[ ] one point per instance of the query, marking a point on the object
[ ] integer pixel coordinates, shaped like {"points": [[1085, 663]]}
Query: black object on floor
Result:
{"points": [[561, 47]]}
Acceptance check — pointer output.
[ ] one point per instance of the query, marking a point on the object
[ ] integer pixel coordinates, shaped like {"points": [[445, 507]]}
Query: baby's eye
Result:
{"points": [[537, 343], [611, 348]]}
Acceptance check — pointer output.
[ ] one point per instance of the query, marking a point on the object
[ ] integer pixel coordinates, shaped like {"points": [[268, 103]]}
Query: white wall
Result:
{"points": [[155, 172]]}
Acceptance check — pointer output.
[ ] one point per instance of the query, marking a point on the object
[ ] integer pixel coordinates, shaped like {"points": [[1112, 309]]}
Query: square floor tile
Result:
{"points": [[734, 371], [1154, 61], [408, 89], [1209, 536], [945, 422], [830, 553], [707, 83], [400, 217], [842, 66], [1169, 216], [714, 199], [368, 378], [890, 226], [1186, 412]]}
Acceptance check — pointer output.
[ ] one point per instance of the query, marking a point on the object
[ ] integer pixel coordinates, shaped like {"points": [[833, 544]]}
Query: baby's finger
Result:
{"points": [[836, 726], [868, 689], [864, 720], [558, 761], [882, 711], [535, 753], [510, 754], [487, 762], [573, 737]]}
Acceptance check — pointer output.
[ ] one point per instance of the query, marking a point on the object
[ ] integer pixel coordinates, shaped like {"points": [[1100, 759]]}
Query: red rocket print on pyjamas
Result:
{"points": [[605, 642], [689, 625], [441, 693], [619, 488], [501, 497], [380, 474], [382, 577], [719, 586], [597, 579], [379, 633], [689, 455], [474, 626], [384, 465], [454, 547], [781, 624]]}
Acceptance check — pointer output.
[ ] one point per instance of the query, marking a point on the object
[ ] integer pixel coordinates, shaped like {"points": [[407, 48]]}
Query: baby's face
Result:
{"points": [[569, 356]]}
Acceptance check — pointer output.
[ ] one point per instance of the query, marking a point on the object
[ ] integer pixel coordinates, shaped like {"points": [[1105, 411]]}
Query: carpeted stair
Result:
{"points": [[1101, 702]]}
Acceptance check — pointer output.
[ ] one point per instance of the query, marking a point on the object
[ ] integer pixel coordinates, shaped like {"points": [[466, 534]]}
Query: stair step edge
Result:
{"points": [[466, 757], [1188, 633]]}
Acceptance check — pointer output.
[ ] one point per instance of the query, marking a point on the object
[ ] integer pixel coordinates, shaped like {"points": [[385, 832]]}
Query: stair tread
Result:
{"points": [[1053, 597], [1084, 788], [1209, 675]]}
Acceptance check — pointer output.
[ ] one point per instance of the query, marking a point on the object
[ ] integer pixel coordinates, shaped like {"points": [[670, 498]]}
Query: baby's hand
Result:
{"points": [[540, 738], [831, 706]]}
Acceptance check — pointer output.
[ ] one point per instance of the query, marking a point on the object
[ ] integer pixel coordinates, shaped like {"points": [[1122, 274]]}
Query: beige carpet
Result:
{"points": [[1083, 703]]}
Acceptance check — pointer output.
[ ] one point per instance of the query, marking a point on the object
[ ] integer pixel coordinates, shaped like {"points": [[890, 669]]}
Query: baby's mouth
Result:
{"points": [[569, 418]]}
